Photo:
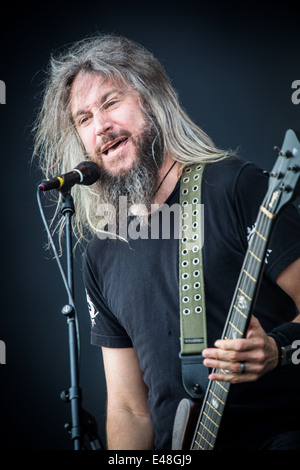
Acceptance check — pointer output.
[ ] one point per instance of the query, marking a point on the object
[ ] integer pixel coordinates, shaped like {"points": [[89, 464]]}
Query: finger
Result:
{"points": [[223, 376], [253, 365], [219, 358], [232, 367], [226, 355], [240, 344], [254, 327]]}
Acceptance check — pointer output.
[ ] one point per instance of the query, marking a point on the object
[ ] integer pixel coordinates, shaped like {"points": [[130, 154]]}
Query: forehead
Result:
{"points": [[90, 88]]}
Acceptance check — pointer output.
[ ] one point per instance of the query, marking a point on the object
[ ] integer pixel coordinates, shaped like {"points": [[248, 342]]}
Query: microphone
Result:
{"points": [[85, 173]]}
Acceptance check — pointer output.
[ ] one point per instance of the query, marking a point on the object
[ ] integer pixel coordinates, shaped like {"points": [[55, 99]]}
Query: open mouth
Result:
{"points": [[116, 145]]}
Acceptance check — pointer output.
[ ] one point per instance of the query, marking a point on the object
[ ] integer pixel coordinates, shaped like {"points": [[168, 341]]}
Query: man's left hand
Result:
{"points": [[243, 359]]}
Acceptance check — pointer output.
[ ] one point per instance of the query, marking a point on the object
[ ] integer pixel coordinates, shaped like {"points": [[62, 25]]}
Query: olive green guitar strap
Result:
{"points": [[191, 283]]}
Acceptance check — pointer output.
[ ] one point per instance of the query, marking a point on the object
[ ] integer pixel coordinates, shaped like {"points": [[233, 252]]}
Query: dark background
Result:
{"points": [[233, 65]]}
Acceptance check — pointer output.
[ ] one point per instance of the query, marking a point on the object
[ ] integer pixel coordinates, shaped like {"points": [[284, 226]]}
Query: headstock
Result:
{"points": [[284, 179]]}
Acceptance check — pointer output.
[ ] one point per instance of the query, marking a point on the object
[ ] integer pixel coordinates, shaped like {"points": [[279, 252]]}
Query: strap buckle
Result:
{"points": [[194, 375]]}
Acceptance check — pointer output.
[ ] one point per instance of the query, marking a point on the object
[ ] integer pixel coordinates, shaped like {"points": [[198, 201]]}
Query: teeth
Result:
{"points": [[114, 147]]}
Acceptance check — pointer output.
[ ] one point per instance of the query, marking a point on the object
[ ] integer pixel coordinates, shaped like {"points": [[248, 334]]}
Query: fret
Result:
{"points": [[220, 385], [198, 444], [201, 435], [254, 256], [213, 408], [210, 419], [208, 438], [208, 430], [260, 235], [244, 293], [209, 443], [235, 327], [218, 398], [240, 312], [267, 212], [249, 275]]}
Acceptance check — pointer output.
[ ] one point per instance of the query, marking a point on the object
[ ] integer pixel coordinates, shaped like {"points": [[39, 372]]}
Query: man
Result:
{"points": [[109, 100]]}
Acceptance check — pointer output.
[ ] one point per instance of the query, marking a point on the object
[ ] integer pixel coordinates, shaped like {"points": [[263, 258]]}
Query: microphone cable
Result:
{"points": [[60, 269]]}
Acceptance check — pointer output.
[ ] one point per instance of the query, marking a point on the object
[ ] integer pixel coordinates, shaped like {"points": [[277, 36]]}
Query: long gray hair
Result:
{"points": [[57, 144]]}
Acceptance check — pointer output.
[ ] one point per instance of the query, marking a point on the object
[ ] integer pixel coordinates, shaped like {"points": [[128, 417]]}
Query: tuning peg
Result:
{"points": [[285, 188], [278, 150], [278, 175], [287, 154], [294, 168]]}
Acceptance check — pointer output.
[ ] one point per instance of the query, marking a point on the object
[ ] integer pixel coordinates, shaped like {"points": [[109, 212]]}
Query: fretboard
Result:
{"points": [[236, 325]]}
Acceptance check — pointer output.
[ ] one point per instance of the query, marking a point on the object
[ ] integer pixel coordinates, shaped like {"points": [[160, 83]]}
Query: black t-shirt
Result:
{"points": [[133, 296]]}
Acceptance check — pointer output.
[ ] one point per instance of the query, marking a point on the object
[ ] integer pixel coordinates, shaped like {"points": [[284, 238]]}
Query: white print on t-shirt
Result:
{"points": [[92, 309], [250, 232]]}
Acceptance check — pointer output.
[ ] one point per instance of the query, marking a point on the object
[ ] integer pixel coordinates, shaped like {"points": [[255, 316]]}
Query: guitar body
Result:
{"points": [[185, 423], [195, 427]]}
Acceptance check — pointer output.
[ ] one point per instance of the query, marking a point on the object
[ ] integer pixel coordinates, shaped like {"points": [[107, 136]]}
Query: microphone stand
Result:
{"points": [[82, 421]]}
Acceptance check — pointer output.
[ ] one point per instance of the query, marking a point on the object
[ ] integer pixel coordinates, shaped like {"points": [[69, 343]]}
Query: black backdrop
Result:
{"points": [[233, 65]]}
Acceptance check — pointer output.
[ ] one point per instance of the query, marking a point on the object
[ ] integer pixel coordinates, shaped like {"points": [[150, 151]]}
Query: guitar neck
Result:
{"points": [[236, 326]]}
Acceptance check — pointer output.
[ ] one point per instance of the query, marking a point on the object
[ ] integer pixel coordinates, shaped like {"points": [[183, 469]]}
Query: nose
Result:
{"points": [[102, 123]]}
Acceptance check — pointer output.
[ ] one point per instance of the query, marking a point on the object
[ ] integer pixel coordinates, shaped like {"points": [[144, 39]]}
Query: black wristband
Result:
{"points": [[284, 335]]}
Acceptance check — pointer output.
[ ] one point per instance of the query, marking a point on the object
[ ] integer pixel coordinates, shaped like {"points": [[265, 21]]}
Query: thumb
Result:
{"points": [[253, 326]]}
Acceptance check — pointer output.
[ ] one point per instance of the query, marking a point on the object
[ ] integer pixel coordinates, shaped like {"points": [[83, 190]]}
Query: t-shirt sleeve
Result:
{"points": [[284, 247], [105, 329]]}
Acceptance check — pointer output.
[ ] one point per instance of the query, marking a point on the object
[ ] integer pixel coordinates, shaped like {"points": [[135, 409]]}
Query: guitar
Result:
{"points": [[283, 187]]}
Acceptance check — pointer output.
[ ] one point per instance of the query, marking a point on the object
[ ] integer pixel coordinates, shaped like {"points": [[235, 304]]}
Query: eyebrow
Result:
{"points": [[100, 103]]}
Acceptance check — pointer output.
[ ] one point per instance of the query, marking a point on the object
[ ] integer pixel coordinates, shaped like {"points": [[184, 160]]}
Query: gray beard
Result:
{"points": [[121, 195]]}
